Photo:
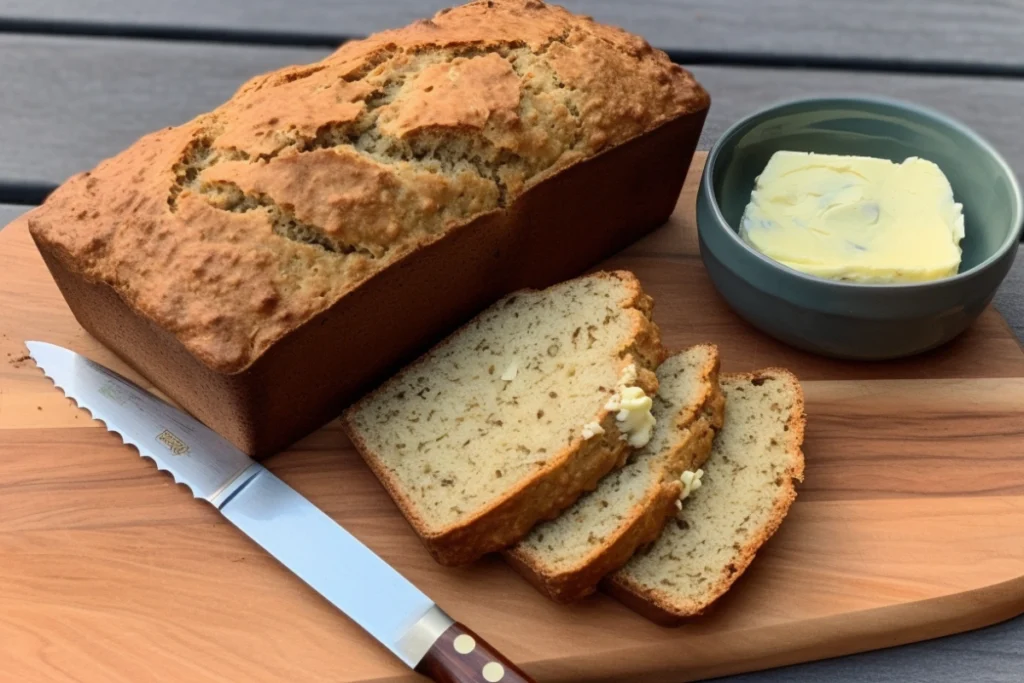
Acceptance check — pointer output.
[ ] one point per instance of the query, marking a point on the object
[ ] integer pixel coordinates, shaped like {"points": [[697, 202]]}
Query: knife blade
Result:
{"points": [[283, 522]]}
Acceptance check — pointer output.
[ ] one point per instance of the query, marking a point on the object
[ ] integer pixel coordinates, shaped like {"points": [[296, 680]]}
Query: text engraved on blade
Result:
{"points": [[173, 443]]}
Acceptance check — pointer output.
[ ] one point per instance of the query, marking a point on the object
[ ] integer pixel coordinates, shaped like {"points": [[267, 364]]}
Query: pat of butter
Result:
{"points": [[633, 406], [636, 421], [853, 218], [592, 429], [691, 482]]}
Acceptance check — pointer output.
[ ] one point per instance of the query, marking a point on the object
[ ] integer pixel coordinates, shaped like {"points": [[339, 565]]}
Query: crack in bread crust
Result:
{"points": [[365, 136]]}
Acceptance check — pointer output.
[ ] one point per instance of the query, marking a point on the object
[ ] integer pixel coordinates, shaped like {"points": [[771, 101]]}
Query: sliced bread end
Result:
{"points": [[748, 488], [482, 437]]}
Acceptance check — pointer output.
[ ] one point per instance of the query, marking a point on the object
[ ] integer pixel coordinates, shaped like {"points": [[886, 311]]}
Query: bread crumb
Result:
{"points": [[510, 372], [592, 429]]}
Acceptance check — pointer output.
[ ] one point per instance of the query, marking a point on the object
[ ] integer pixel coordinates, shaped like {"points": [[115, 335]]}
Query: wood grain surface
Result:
{"points": [[910, 525], [915, 30], [122, 89]]}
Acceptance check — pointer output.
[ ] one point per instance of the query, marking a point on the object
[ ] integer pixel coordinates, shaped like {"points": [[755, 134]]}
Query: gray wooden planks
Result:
{"points": [[982, 32], [917, 30], [70, 102], [1010, 302], [8, 212], [989, 105]]}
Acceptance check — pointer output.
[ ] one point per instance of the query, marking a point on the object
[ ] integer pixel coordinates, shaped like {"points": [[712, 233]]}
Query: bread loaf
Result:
{"points": [[508, 421], [266, 261], [567, 556], [747, 487]]}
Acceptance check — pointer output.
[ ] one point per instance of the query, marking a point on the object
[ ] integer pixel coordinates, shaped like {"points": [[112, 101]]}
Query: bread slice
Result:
{"points": [[746, 491], [566, 557], [510, 419]]}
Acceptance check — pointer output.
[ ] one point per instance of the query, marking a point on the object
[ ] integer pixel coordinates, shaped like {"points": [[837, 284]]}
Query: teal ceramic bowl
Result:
{"points": [[847, 320]]}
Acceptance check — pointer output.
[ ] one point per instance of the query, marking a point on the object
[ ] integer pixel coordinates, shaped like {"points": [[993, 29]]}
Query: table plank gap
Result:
{"points": [[985, 35]]}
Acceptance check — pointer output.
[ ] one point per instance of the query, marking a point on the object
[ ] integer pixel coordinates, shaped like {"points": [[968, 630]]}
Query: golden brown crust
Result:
{"points": [[461, 93], [647, 517], [659, 607], [574, 470], [267, 189]]}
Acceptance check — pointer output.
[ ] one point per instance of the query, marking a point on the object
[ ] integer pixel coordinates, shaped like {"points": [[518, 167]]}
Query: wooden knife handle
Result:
{"points": [[461, 656]]}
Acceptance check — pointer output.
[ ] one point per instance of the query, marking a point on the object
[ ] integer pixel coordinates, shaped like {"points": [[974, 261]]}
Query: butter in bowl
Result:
{"points": [[856, 219], [855, 227]]}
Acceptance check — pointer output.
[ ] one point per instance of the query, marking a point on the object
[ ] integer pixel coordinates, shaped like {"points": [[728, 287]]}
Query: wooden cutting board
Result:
{"points": [[910, 524]]}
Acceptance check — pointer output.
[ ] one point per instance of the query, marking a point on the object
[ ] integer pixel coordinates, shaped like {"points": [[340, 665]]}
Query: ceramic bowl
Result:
{"points": [[842, 319]]}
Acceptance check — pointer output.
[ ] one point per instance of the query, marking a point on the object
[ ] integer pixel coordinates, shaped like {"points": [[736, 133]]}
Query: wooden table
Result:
{"points": [[83, 78]]}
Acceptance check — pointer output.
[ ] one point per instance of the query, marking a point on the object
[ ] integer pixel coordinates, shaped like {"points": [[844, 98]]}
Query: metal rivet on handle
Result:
{"points": [[493, 672], [464, 644]]}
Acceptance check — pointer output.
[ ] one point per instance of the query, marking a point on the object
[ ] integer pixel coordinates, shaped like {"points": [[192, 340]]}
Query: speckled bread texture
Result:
{"points": [[483, 436], [330, 221], [748, 487], [567, 557]]}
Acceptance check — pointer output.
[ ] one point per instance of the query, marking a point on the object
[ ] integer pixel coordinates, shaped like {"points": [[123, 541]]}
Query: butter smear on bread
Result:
{"points": [[634, 410], [691, 482], [592, 429]]}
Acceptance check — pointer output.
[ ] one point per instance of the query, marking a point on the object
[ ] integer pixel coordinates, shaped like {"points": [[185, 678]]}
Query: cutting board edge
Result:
{"points": [[910, 622]]}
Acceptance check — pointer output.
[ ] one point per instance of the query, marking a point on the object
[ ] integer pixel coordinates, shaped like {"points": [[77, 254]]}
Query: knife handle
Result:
{"points": [[461, 656]]}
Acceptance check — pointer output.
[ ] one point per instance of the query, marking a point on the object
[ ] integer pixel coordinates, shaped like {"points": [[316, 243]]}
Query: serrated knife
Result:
{"points": [[282, 521]]}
